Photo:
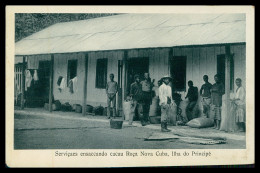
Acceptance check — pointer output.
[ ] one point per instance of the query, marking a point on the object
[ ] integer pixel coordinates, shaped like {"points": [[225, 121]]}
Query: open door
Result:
{"points": [[136, 66], [221, 70], [38, 93]]}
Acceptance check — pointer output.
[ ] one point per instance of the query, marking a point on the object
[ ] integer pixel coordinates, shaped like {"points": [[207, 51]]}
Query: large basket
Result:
{"points": [[116, 124]]}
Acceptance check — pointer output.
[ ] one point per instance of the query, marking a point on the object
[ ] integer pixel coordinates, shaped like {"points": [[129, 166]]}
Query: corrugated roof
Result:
{"points": [[129, 31]]}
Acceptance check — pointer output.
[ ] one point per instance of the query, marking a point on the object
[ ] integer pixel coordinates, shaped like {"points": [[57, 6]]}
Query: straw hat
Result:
{"points": [[167, 76]]}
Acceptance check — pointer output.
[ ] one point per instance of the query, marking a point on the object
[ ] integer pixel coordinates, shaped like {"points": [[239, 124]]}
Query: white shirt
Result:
{"points": [[164, 92], [241, 95]]}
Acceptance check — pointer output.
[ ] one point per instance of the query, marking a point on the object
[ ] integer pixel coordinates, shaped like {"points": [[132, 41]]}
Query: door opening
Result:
{"points": [[221, 69], [38, 93], [136, 66], [178, 72]]}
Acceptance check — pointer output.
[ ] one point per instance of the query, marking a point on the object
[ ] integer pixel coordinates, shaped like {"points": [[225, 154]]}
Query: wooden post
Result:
{"points": [[170, 59], [85, 86], [23, 83], [51, 83], [227, 79], [125, 67]]}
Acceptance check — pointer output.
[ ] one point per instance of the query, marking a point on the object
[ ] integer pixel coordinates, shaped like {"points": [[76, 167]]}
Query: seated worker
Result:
{"points": [[192, 96]]}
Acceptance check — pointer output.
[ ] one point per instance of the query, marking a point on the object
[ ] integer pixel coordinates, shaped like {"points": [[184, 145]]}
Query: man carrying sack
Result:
{"points": [[165, 95]]}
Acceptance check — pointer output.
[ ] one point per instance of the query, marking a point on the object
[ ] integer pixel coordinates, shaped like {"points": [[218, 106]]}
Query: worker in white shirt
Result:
{"points": [[165, 95]]}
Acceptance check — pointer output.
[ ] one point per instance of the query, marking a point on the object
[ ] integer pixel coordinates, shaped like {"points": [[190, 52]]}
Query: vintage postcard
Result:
{"points": [[129, 86]]}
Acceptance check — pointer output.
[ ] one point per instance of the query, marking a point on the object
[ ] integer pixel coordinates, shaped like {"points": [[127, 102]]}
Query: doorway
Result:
{"points": [[38, 93], [136, 66], [178, 72], [221, 69]]}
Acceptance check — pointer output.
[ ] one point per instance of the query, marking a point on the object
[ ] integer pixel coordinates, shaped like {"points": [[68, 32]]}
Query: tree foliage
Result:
{"points": [[28, 23]]}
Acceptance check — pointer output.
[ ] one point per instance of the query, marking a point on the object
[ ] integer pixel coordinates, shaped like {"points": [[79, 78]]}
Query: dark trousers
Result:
{"points": [[146, 105]]}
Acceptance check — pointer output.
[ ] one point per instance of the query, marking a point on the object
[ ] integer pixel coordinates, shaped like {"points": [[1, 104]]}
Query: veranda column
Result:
{"points": [[227, 79], [23, 83], [85, 86], [51, 83], [125, 67]]}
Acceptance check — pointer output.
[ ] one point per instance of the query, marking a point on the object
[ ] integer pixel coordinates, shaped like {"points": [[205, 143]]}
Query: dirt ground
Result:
{"points": [[39, 131]]}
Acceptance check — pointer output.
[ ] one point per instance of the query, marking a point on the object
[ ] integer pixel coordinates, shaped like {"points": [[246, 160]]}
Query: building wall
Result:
{"points": [[200, 61], [203, 60], [96, 96], [60, 69]]}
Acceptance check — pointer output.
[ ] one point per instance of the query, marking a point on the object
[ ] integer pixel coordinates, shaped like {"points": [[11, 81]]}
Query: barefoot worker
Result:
{"points": [[111, 90], [217, 91], [165, 95], [206, 95]]}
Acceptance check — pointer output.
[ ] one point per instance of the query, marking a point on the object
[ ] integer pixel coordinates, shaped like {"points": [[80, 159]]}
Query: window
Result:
{"points": [[72, 70], [178, 72], [101, 73]]}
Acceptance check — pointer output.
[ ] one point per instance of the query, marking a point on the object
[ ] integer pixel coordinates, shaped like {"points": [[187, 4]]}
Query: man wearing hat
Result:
{"points": [[137, 95], [165, 95]]}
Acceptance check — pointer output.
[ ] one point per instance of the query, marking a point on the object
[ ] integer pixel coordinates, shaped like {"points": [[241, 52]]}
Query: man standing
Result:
{"points": [[165, 95], [137, 96], [192, 96], [206, 95], [111, 90], [217, 91], [240, 105], [147, 86]]}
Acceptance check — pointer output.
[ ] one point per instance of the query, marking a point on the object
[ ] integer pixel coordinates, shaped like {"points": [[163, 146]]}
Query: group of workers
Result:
{"points": [[141, 95]]}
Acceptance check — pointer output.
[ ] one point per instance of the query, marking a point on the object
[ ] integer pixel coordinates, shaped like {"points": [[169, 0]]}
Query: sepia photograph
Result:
{"points": [[132, 81]]}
